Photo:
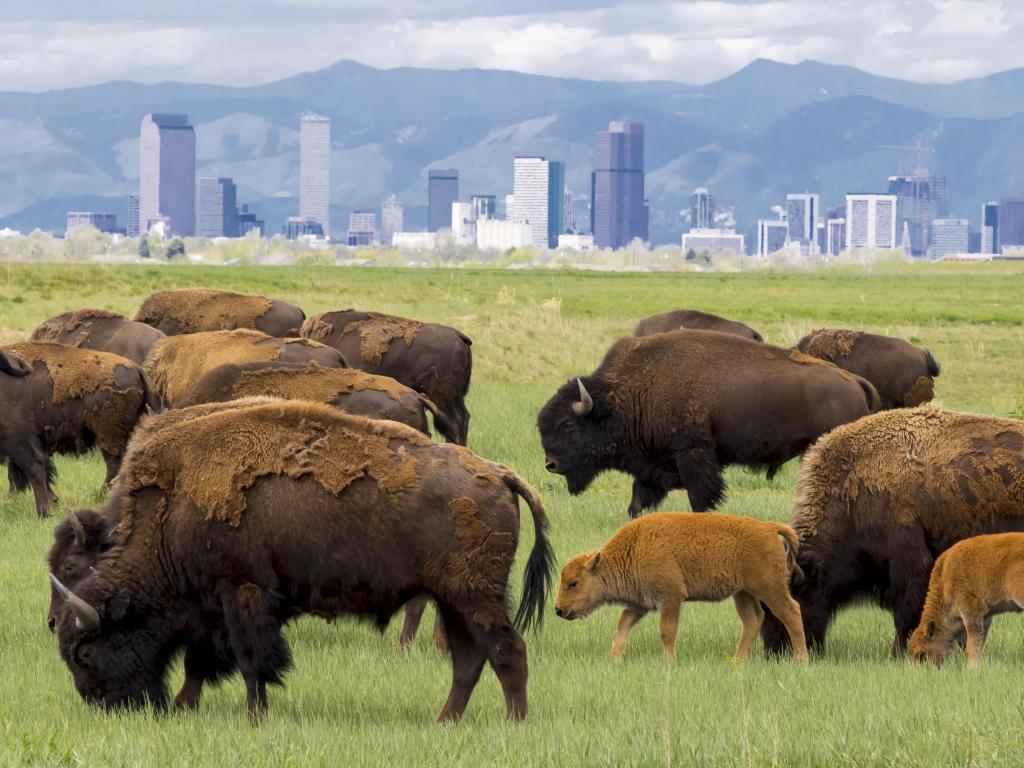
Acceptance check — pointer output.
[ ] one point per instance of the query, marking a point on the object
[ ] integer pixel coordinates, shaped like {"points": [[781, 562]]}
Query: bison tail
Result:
{"points": [[871, 394], [540, 564], [441, 422], [933, 365], [791, 543]]}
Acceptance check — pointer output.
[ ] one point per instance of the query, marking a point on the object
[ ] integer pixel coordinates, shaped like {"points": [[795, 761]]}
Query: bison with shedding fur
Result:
{"points": [[20, 445], [194, 310], [674, 409], [102, 330], [694, 320], [879, 500]]}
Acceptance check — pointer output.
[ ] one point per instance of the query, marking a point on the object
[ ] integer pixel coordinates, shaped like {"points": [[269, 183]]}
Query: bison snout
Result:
{"points": [[562, 613], [551, 466]]}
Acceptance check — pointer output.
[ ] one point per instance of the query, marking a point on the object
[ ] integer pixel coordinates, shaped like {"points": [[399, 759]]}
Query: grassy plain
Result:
{"points": [[354, 699]]}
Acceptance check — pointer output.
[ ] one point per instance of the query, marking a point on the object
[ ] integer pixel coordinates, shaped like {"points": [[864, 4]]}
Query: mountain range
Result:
{"points": [[752, 137]]}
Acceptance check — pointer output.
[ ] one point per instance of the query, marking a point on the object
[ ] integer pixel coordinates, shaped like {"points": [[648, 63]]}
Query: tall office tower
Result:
{"points": [[617, 185], [920, 197], [132, 227], [772, 235], [530, 183], [949, 236], [702, 209], [392, 219], [218, 207], [802, 214], [442, 191], [362, 227], [568, 219], [483, 207], [167, 173], [870, 221], [556, 201], [315, 171], [1011, 223], [510, 206], [836, 237], [990, 227]]}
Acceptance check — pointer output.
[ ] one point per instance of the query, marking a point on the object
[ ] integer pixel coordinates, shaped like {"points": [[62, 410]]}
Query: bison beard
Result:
{"points": [[338, 555]]}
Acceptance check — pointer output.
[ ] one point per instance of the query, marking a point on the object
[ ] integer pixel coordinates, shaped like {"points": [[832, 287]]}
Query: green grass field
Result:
{"points": [[354, 699]]}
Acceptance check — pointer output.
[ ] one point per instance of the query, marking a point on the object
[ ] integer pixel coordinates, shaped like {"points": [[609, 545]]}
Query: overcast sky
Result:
{"points": [[61, 43]]}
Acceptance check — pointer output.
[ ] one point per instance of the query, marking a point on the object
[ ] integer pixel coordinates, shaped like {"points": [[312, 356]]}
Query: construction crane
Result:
{"points": [[918, 149]]}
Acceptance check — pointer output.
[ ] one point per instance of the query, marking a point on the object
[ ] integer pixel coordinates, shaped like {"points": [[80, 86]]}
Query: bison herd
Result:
{"points": [[264, 465]]}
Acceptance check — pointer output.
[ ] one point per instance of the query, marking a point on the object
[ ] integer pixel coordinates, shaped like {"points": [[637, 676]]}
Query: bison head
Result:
{"points": [[78, 543], [117, 652], [931, 641], [579, 592], [578, 432]]}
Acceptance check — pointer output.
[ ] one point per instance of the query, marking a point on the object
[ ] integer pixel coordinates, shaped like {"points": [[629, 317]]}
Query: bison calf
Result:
{"points": [[658, 562], [971, 582]]}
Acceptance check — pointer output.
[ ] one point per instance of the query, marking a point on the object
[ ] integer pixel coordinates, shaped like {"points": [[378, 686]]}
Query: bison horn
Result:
{"points": [[86, 617], [586, 402], [76, 526]]}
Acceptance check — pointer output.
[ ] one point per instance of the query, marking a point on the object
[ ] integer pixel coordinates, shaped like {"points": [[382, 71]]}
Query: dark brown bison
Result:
{"points": [[289, 508], [694, 320], [879, 500], [433, 359], [100, 329], [176, 364], [902, 373], [20, 446], [351, 390], [674, 409], [81, 399], [193, 310]]}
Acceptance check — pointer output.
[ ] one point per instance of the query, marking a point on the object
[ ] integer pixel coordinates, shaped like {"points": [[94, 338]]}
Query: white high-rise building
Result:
{"points": [[870, 221], [772, 235], [949, 236], [503, 235], [392, 219], [802, 214], [167, 174], [315, 171], [836, 237], [530, 193], [463, 223]]}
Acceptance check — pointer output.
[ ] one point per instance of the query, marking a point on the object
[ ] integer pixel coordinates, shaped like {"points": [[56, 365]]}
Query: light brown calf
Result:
{"points": [[662, 560], [971, 582]]}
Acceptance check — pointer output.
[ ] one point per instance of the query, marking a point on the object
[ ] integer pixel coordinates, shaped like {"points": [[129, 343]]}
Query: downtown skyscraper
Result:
{"points": [[538, 192], [315, 171], [167, 174], [442, 191], [218, 207], [618, 214]]}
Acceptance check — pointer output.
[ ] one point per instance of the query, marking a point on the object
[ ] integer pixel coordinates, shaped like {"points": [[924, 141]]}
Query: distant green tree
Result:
{"points": [[691, 255], [144, 247], [175, 248]]}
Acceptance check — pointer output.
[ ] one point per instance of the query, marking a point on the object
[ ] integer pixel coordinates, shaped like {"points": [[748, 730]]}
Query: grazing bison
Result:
{"points": [[176, 364], [81, 399], [20, 446], [193, 310], [351, 390], [902, 373], [433, 359], [100, 329], [691, 319], [674, 409], [879, 500], [665, 559], [288, 508]]}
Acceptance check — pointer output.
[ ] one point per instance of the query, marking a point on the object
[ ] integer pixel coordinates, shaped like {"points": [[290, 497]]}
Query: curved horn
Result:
{"points": [[76, 526], [86, 617], [586, 402]]}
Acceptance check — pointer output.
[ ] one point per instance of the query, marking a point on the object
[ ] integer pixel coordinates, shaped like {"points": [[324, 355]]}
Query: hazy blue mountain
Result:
{"points": [[766, 130]]}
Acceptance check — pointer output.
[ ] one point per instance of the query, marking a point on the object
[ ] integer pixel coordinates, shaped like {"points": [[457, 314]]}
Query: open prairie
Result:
{"points": [[354, 699]]}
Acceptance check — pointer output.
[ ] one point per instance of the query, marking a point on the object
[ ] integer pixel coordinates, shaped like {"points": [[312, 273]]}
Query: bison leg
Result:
{"points": [[467, 663], [700, 474], [628, 620], [28, 465], [909, 571], [752, 616], [113, 466], [645, 496], [507, 654], [977, 633], [668, 621], [413, 617], [787, 610]]}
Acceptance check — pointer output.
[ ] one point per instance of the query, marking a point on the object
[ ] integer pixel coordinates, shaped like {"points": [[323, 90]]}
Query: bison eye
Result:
{"points": [[67, 568], [572, 584]]}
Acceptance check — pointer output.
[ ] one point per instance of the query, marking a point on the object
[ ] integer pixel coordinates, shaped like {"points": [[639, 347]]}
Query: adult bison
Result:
{"points": [[81, 399], [100, 329], [176, 364], [20, 446], [902, 373], [351, 390], [694, 320], [433, 359], [674, 409], [193, 310], [879, 500], [288, 508]]}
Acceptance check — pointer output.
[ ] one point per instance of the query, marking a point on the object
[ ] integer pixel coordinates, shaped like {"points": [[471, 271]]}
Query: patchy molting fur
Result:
{"points": [[194, 310], [102, 330]]}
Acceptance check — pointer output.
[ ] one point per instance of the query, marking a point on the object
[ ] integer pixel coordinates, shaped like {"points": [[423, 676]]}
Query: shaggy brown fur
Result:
{"points": [[433, 359], [193, 310], [696, 321], [102, 330], [351, 390], [878, 500], [971, 582], [81, 399], [177, 363], [304, 510], [902, 373], [662, 560]]}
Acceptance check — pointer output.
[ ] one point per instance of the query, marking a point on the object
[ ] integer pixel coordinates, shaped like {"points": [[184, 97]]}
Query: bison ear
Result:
{"points": [[594, 562], [931, 629]]}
